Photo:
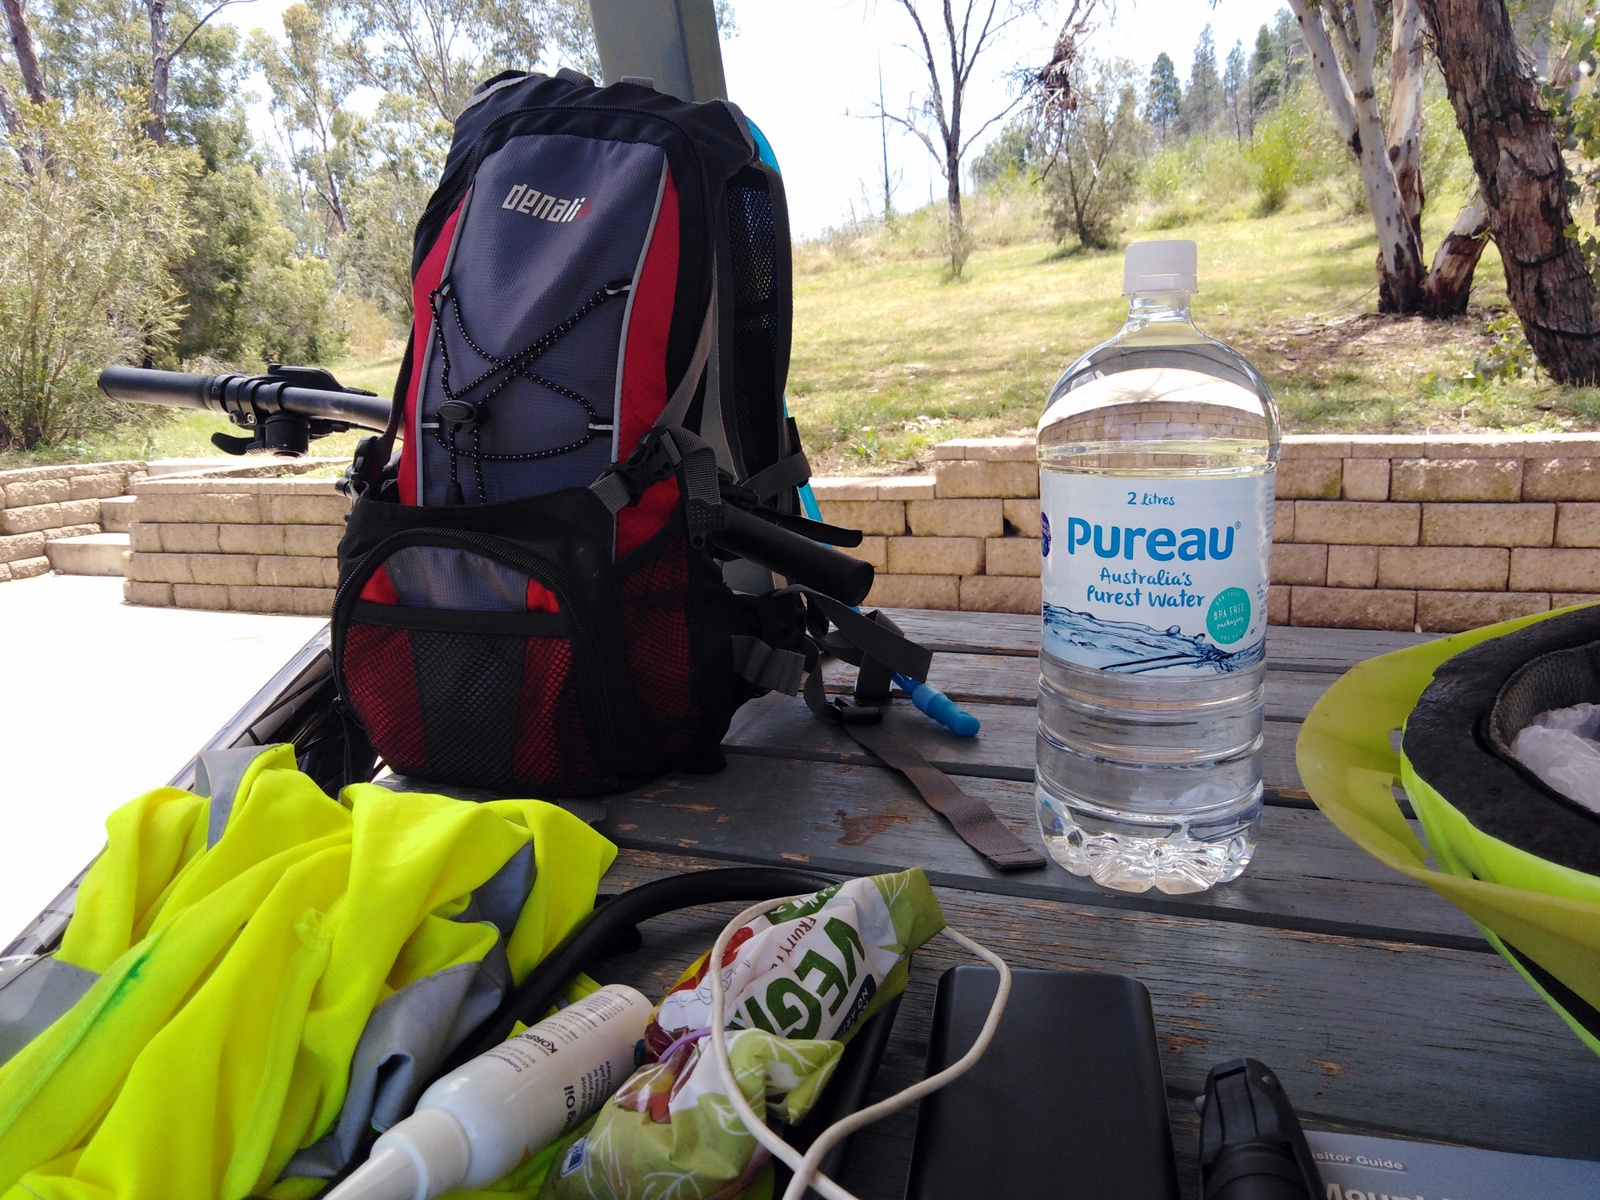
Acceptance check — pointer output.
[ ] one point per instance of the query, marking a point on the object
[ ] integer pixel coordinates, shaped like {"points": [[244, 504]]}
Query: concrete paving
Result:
{"points": [[100, 701]]}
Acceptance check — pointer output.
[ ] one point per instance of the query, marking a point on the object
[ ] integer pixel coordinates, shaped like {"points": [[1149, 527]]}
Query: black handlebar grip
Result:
{"points": [[174, 389], [799, 558]]}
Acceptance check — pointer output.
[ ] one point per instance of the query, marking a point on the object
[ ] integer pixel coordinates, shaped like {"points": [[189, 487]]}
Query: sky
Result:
{"points": [[806, 71]]}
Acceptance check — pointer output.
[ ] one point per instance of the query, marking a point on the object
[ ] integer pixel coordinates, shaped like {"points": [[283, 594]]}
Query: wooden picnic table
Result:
{"points": [[1379, 1004]]}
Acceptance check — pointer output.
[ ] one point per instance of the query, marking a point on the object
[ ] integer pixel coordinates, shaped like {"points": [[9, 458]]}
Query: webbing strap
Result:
{"points": [[878, 645], [367, 471], [789, 472], [663, 452], [766, 667], [968, 816], [702, 489], [683, 395], [612, 490], [875, 636]]}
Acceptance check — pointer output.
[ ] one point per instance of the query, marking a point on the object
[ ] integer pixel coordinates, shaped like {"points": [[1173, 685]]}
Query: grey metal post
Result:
{"points": [[674, 42]]}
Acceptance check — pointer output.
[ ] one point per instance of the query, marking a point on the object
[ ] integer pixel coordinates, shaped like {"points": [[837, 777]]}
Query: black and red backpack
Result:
{"points": [[589, 550], [532, 592]]}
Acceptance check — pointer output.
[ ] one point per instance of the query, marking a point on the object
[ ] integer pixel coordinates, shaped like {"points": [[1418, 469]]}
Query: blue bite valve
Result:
{"points": [[935, 704]]}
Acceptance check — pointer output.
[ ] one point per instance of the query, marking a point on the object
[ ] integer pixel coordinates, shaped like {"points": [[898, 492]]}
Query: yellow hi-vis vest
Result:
{"points": [[245, 986]]}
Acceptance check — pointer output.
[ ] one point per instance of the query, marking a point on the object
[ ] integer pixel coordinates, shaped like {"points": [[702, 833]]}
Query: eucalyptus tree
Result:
{"points": [[1523, 180], [1089, 150], [1343, 46], [1236, 93]]}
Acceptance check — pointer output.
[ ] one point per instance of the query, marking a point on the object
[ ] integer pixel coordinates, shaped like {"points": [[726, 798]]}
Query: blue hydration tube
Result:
{"points": [[928, 700]]}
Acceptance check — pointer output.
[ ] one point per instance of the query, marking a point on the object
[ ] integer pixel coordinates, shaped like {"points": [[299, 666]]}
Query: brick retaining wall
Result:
{"points": [[251, 545], [1371, 532], [41, 504]]}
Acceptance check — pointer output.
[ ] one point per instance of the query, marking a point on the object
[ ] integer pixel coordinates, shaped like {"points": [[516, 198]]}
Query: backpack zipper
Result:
{"points": [[579, 629]]}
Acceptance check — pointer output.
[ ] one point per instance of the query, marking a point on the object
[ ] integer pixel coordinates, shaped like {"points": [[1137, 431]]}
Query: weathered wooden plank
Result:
{"points": [[1422, 1042], [861, 820], [999, 679], [1012, 634], [1335, 650], [783, 727], [970, 633]]}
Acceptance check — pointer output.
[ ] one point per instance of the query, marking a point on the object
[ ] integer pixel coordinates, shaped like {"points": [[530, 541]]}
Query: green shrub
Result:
{"points": [[1275, 156], [1194, 179], [87, 248]]}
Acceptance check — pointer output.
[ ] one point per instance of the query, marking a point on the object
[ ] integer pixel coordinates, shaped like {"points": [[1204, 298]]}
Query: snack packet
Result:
{"points": [[798, 981]]}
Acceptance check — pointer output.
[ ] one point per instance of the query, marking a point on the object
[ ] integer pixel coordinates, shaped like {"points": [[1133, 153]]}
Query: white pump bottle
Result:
{"points": [[476, 1124]]}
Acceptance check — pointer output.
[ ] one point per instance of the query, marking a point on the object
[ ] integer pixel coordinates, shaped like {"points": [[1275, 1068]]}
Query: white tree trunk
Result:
{"points": [[1347, 82], [1406, 75]]}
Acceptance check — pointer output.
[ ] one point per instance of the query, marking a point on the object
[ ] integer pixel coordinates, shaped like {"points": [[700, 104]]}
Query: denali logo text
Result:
{"points": [[535, 203]]}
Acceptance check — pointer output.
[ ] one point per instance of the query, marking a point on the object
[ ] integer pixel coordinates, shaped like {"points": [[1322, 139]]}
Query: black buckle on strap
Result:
{"points": [[655, 458], [851, 712]]}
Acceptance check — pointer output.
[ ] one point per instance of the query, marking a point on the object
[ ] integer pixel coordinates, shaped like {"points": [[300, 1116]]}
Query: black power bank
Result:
{"points": [[1067, 1103]]}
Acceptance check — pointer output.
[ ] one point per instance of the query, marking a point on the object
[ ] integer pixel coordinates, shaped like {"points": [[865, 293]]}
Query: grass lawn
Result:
{"points": [[890, 358]]}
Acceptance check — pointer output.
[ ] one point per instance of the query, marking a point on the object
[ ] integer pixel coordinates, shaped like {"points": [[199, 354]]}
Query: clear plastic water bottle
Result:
{"points": [[1157, 455]]}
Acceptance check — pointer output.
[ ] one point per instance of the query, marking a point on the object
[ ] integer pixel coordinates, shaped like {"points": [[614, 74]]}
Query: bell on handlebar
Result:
{"points": [[283, 434], [286, 434]]}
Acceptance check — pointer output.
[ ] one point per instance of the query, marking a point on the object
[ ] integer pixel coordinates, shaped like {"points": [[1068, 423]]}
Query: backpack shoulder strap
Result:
{"points": [[882, 651], [969, 816]]}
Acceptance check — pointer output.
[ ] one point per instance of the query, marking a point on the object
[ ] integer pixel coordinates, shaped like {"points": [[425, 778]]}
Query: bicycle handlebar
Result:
{"points": [[247, 396], [254, 400]]}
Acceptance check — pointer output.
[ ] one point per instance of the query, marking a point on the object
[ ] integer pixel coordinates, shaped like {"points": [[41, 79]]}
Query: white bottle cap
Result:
{"points": [[1171, 266]]}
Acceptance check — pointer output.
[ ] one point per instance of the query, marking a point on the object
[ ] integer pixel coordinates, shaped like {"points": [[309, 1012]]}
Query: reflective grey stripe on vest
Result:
{"points": [[410, 1033], [500, 901], [217, 775], [405, 1040], [33, 994]]}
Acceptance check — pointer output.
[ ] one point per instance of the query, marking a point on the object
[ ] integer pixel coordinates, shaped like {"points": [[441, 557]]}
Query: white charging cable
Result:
{"points": [[804, 1166]]}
